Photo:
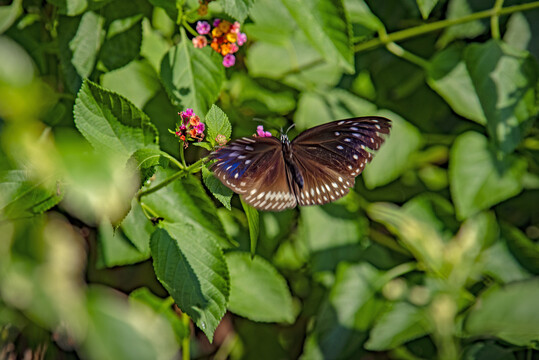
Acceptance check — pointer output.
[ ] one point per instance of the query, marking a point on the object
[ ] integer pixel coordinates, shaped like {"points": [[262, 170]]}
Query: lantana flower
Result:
{"points": [[190, 128], [220, 139], [226, 38], [260, 131], [200, 41]]}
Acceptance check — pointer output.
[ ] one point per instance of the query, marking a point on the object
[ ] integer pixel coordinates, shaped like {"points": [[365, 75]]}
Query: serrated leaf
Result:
{"points": [[216, 187], [20, 196], [401, 323], [425, 7], [185, 200], [477, 178], [257, 291], [146, 161], [254, 224], [238, 9], [325, 25], [506, 79], [192, 77], [217, 124], [508, 313], [124, 38], [112, 123], [192, 267]]}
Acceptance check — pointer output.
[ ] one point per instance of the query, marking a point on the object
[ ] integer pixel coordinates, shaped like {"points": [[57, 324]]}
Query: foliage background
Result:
{"points": [[434, 254]]}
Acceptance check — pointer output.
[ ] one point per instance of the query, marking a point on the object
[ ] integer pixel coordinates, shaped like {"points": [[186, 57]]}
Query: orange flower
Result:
{"points": [[194, 120], [232, 37], [216, 32], [215, 45], [193, 132], [225, 49], [224, 26]]}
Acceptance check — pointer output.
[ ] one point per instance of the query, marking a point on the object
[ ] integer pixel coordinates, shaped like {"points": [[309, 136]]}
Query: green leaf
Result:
{"points": [[137, 81], [217, 124], [154, 46], [488, 351], [477, 178], [508, 313], [257, 291], [457, 9], [238, 9], [395, 155], [518, 34], [169, 6], [185, 200], [70, 7], [137, 228], [111, 123], [115, 249], [254, 224], [216, 187], [401, 323], [419, 236], [449, 77], [147, 159], [124, 38], [522, 248], [79, 41], [425, 7], [192, 267], [162, 307], [21, 196], [121, 330], [498, 262], [505, 80], [9, 13], [192, 77], [361, 14], [325, 24]]}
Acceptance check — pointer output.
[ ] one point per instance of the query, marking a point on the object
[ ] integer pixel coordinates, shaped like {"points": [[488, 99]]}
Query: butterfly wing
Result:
{"points": [[331, 155], [255, 169]]}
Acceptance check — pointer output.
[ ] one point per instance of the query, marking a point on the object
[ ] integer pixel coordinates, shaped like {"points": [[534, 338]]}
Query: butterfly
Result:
{"points": [[317, 167]]}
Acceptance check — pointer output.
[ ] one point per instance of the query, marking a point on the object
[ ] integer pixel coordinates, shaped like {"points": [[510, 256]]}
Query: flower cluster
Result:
{"points": [[191, 128], [226, 38], [260, 131]]}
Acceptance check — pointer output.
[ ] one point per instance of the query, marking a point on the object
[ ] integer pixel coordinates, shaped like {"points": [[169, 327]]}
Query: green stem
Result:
{"points": [[187, 339], [400, 52], [162, 184], [148, 212], [182, 156], [174, 160], [438, 25], [189, 28], [495, 20]]}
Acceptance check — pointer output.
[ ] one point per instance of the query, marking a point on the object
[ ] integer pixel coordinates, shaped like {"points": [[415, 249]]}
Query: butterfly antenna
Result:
{"points": [[261, 120], [290, 128]]}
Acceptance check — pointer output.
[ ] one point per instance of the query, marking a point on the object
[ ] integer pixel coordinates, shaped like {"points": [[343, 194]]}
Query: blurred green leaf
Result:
{"points": [[507, 313], [192, 267], [257, 291], [137, 81], [498, 262], [469, 30], [518, 34], [70, 7], [477, 178], [169, 6], [154, 45], [218, 124], [505, 81], [449, 77], [238, 9], [325, 26], [254, 224], [487, 351], [121, 330], [402, 322], [360, 13], [425, 7], [522, 248], [9, 13], [162, 307], [216, 187], [111, 123], [137, 228], [394, 156], [124, 38], [191, 76], [115, 249], [21, 196]]}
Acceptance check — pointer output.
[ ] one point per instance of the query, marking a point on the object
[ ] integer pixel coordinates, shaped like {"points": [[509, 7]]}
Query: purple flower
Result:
{"points": [[183, 127], [216, 22], [203, 27], [200, 128], [229, 60], [242, 39], [260, 131]]}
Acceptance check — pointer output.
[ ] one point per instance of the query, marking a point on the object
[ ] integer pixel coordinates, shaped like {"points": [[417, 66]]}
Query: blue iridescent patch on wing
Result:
{"points": [[230, 166]]}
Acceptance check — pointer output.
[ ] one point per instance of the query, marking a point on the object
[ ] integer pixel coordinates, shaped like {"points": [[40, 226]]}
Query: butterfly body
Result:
{"points": [[317, 167]]}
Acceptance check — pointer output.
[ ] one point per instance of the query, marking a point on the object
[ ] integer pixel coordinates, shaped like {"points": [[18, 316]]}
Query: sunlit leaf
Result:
{"points": [[238, 9], [254, 224], [217, 124], [8, 14], [221, 192], [426, 6]]}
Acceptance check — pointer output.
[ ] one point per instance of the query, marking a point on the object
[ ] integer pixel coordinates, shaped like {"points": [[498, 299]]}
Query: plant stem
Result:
{"points": [[495, 20], [186, 340], [182, 156], [162, 184], [189, 28], [174, 160], [438, 25]]}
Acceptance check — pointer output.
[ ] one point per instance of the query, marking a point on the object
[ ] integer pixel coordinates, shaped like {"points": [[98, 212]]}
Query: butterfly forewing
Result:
{"points": [[254, 168]]}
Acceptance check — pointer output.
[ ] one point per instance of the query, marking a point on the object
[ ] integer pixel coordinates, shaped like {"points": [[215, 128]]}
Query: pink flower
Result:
{"points": [[242, 39], [200, 128], [233, 48], [203, 27], [221, 139], [200, 41], [229, 60], [260, 131], [235, 28], [183, 127], [216, 22], [188, 112]]}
